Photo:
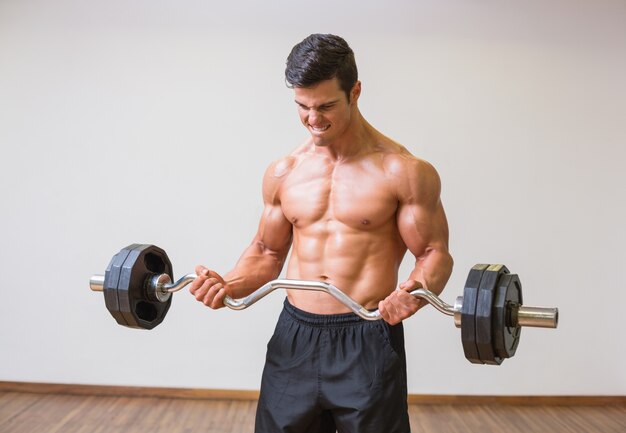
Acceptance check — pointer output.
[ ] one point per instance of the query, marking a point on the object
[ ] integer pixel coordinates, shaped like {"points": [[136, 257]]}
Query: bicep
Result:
{"points": [[421, 218], [423, 227], [275, 231]]}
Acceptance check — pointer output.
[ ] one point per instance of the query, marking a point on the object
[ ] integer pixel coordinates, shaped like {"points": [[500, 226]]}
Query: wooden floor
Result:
{"points": [[23, 412]]}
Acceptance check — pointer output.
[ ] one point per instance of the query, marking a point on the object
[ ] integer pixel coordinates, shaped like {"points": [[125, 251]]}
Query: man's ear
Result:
{"points": [[355, 92]]}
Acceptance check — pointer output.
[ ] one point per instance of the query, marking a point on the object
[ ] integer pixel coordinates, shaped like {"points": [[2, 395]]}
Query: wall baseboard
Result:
{"points": [[230, 394], [129, 391]]}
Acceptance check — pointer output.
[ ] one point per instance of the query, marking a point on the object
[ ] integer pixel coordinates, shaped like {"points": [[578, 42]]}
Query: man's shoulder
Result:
{"points": [[398, 161], [279, 170], [414, 179], [285, 164]]}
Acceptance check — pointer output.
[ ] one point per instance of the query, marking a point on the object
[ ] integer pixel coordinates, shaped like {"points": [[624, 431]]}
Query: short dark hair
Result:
{"points": [[321, 57]]}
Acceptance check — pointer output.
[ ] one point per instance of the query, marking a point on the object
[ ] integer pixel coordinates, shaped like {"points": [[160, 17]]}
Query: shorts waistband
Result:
{"points": [[322, 319]]}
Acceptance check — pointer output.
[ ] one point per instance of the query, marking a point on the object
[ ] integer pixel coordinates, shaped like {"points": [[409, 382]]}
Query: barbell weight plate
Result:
{"points": [[506, 334], [111, 282], [157, 262], [484, 314], [125, 289], [468, 313], [138, 309]]}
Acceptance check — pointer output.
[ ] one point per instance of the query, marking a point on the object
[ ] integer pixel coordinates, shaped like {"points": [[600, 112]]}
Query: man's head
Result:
{"points": [[321, 57]]}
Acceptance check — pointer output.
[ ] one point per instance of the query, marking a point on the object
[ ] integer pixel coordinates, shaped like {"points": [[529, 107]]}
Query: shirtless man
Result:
{"points": [[349, 203]]}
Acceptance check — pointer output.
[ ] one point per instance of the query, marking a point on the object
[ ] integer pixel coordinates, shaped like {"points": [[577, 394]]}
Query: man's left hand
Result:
{"points": [[400, 304]]}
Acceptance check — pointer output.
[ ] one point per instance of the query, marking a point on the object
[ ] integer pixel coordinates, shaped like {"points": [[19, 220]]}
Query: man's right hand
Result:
{"points": [[209, 288]]}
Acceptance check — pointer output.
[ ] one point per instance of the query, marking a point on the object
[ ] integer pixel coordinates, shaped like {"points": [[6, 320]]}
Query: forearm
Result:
{"points": [[257, 266], [432, 270]]}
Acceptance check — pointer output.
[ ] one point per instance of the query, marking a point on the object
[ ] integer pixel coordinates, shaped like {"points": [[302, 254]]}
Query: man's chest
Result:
{"points": [[360, 196]]}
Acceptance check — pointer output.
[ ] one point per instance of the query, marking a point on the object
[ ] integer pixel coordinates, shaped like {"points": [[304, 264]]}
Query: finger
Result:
{"points": [[201, 274], [201, 270], [387, 313], [209, 298], [382, 309], [213, 281], [392, 315], [218, 300], [395, 310], [201, 287], [410, 285], [215, 275], [401, 306], [197, 283], [407, 284], [406, 301], [394, 321]]}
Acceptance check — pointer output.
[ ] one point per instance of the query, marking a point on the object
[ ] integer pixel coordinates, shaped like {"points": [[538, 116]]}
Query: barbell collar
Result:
{"points": [[458, 305]]}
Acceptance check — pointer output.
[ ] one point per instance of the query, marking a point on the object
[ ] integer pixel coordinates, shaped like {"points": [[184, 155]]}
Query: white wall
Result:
{"points": [[153, 121]]}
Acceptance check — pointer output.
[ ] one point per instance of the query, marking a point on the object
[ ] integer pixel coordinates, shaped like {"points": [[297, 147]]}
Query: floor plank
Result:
{"points": [[23, 412]]}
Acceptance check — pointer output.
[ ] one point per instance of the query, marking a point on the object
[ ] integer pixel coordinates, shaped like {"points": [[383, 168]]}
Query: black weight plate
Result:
{"points": [[156, 261], [499, 317], [506, 334], [148, 312], [111, 281], [138, 309], [484, 314], [468, 313], [124, 290], [514, 300]]}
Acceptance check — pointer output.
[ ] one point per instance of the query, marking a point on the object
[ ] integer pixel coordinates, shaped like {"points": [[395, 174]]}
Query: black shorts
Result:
{"points": [[327, 373]]}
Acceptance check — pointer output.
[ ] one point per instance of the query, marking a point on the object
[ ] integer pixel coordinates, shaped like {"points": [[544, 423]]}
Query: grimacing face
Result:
{"points": [[325, 111]]}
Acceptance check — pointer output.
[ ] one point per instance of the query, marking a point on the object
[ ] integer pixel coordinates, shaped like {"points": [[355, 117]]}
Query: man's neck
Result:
{"points": [[358, 139]]}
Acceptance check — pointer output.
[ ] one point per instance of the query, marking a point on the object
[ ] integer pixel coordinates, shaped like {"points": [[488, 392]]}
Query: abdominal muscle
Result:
{"points": [[361, 263]]}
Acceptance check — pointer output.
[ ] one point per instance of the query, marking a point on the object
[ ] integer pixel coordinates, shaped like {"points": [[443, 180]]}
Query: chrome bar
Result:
{"points": [[359, 310], [182, 282], [356, 308], [435, 301]]}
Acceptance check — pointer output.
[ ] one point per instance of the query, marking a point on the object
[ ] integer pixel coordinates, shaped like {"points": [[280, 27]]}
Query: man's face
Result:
{"points": [[325, 111]]}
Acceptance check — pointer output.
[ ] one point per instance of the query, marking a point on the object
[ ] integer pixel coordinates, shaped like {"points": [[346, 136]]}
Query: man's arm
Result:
{"points": [[423, 227], [263, 259]]}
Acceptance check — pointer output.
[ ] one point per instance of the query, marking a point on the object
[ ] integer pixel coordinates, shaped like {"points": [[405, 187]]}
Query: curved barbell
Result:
{"points": [[160, 287], [138, 289]]}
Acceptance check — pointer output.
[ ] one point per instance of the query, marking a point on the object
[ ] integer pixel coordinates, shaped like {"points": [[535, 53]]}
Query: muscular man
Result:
{"points": [[349, 203]]}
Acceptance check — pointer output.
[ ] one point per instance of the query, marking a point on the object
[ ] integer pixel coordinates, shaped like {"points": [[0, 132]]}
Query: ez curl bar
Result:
{"points": [[138, 286]]}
